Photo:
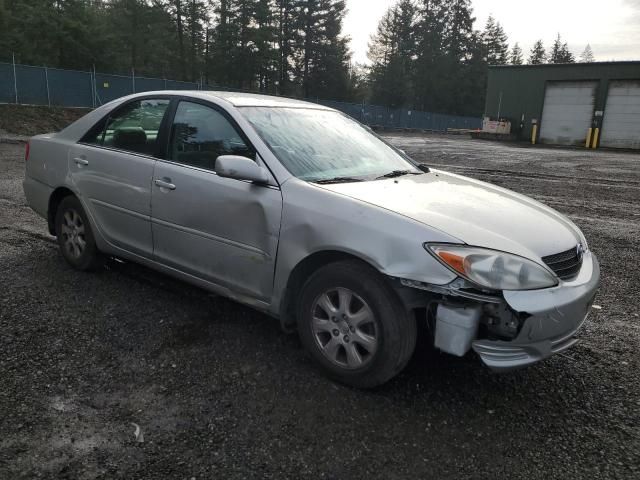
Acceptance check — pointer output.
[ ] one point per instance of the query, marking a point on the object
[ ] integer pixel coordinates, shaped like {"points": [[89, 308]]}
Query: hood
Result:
{"points": [[472, 211]]}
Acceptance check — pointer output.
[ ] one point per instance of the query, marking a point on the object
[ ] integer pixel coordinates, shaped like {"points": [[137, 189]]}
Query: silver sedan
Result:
{"points": [[301, 212]]}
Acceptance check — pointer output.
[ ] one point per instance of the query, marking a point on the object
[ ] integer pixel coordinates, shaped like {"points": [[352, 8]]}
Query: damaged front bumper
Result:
{"points": [[554, 315]]}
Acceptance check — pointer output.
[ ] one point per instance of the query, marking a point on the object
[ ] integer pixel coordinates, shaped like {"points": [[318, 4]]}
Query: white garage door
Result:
{"points": [[567, 112], [621, 126]]}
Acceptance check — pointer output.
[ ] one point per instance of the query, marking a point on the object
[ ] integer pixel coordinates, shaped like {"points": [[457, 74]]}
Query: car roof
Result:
{"points": [[240, 99], [235, 99]]}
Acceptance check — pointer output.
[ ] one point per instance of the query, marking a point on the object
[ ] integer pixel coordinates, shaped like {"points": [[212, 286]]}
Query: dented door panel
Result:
{"points": [[222, 230]]}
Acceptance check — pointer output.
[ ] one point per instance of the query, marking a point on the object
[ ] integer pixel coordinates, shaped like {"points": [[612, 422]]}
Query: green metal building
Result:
{"points": [[588, 104]]}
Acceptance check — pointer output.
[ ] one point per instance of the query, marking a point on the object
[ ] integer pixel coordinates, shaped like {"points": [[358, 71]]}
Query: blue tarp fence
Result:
{"points": [[32, 85]]}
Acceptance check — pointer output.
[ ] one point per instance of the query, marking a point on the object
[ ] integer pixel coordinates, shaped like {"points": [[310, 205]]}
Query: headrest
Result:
{"points": [[129, 138]]}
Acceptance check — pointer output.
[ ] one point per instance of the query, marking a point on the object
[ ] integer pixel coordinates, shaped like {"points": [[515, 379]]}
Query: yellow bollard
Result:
{"points": [[596, 134], [587, 144], [534, 134]]}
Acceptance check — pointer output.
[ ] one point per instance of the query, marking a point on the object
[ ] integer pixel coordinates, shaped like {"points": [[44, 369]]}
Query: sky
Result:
{"points": [[611, 27]]}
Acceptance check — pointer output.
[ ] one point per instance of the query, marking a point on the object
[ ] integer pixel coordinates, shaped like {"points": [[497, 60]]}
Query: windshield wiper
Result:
{"points": [[337, 180], [397, 173]]}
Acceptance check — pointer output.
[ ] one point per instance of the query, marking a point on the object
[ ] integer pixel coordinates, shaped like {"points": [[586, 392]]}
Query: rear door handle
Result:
{"points": [[163, 184], [81, 161]]}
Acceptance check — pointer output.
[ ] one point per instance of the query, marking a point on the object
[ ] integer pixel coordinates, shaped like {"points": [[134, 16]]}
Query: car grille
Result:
{"points": [[565, 264]]}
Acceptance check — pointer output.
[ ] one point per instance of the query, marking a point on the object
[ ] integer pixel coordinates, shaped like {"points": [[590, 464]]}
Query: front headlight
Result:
{"points": [[493, 269]]}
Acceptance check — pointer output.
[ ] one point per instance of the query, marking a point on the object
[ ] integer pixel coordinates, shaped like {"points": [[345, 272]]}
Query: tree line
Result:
{"points": [[425, 54], [289, 47]]}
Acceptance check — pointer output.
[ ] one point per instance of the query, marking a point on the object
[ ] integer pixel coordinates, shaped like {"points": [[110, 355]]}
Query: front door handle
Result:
{"points": [[81, 161], [165, 184]]}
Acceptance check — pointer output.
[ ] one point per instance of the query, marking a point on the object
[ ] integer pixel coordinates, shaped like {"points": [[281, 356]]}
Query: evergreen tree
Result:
{"points": [[560, 52], [495, 42], [515, 57], [359, 86], [69, 32], [473, 87], [285, 43], [565, 54], [265, 39], [321, 55], [538, 54], [223, 52], [587, 55], [450, 64], [556, 50], [459, 42], [430, 30], [425, 54], [197, 19], [392, 50]]}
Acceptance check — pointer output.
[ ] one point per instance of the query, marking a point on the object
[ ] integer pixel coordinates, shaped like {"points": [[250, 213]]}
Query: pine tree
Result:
{"points": [[179, 13], [459, 28], [321, 55], [285, 42], [538, 54], [430, 30], [391, 50], [265, 38], [474, 83], [515, 57], [560, 52], [223, 52], [565, 54], [459, 44], [587, 55], [495, 42], [556, 50], [196, 21]]}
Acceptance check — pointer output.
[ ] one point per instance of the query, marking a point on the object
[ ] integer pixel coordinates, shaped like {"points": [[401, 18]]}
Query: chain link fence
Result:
{"points": [[32, 85]]}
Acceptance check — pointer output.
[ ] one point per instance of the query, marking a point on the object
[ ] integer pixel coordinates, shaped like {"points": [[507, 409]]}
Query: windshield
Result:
{"points": [[318, 145]]}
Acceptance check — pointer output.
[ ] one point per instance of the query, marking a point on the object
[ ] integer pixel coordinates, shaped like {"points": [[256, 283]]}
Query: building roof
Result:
{"points": [[577, 64]]}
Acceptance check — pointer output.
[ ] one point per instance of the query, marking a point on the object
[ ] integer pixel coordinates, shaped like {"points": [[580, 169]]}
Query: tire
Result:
{"points": [[75, 237], [354, 325]]}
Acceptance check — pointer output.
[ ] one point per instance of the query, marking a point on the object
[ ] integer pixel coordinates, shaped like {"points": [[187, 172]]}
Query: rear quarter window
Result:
{"points": [[133, 127]]}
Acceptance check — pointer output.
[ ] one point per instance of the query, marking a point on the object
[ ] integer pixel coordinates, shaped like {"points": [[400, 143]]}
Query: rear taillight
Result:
{"points": [[26, 152]]}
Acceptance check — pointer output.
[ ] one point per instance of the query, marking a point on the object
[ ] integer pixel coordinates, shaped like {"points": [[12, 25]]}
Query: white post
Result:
{"points": [[95, 86], [15, 79], [46, 79], [91, 87]]}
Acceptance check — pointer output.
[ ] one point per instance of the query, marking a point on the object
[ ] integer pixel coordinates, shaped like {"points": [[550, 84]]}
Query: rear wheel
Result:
{"points": [[75, 237], [354, 325]]}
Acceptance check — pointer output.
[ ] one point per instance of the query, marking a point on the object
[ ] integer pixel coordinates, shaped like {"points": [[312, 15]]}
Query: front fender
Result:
{"points": [[315, 220]]}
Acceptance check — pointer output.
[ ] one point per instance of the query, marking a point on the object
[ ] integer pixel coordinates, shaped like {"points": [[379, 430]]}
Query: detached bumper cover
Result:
{"points": [[556, 314]]}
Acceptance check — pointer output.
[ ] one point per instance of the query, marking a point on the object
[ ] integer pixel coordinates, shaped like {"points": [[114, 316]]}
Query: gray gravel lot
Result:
{"points": [[220, 392]]}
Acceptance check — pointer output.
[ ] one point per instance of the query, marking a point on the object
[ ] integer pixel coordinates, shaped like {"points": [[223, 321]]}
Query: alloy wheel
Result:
{"points": [[344, 328], [73, 233]]}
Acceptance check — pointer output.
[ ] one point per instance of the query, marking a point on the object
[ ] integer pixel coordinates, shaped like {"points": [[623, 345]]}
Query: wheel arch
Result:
{"points": [[54, 200], [301, 272]]}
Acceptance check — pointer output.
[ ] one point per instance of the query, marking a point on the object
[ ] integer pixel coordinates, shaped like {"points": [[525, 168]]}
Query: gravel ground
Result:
{"points": [[219, 392]]}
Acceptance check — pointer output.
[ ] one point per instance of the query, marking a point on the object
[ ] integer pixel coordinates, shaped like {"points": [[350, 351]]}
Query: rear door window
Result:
{"points": [[132, 128], [200, 134]]}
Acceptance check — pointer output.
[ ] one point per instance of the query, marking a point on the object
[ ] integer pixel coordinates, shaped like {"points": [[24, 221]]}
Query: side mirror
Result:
{"points": [[241, 168]]}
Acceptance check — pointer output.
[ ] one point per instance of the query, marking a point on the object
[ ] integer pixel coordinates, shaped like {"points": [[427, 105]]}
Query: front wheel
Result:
{"points": [[354, 325], [75, 237]]}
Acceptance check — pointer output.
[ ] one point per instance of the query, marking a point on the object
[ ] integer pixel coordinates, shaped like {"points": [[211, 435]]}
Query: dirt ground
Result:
{"points": [[219, 392], [32, 120]]}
